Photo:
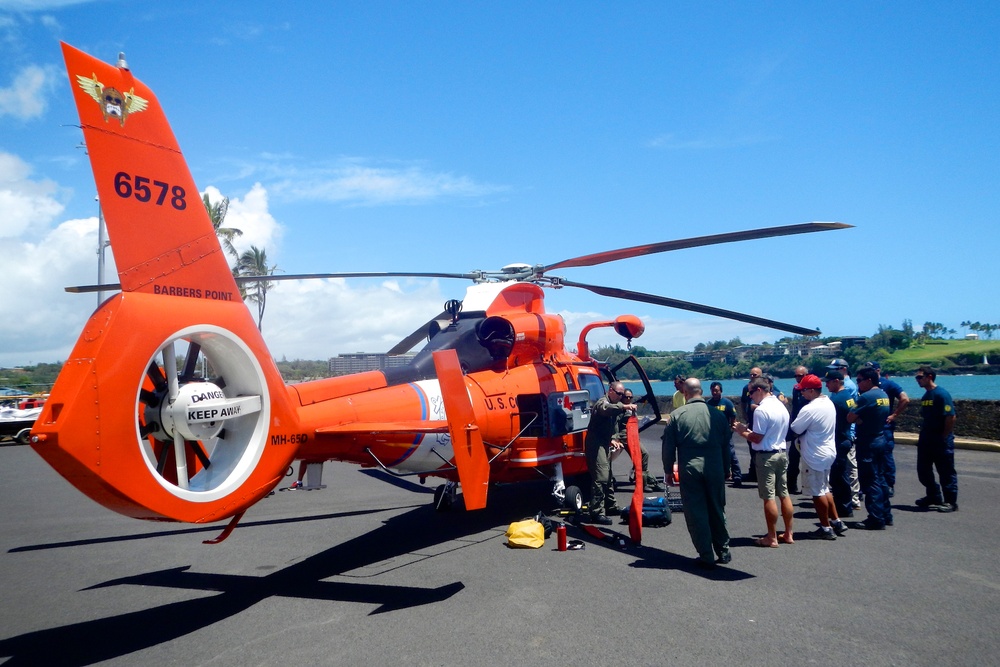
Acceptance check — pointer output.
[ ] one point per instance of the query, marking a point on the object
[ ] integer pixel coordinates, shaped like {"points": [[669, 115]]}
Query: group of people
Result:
{"points": [[839, 445]]}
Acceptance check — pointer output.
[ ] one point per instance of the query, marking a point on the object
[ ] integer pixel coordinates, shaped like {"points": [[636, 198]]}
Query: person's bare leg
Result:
{"points": [[822, 510], [787, 511], [832, 507], [771, 517]]}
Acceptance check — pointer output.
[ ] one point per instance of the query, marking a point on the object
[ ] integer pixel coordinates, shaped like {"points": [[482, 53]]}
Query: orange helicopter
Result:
{"points": [[495, 396]]}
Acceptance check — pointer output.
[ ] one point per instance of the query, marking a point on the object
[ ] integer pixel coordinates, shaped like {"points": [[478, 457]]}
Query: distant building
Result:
{"points": [[359, 362], [829, 350], [971, 336]]}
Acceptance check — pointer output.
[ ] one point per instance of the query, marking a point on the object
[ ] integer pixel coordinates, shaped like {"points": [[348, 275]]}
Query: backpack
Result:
{"points": [[655, 512]]}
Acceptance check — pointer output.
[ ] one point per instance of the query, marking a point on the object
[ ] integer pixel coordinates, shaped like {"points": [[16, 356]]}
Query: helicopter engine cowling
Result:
{"points": [[522, 336]]}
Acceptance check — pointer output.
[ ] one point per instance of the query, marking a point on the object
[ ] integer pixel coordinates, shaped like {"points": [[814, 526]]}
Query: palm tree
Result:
{"points": [[253, 262], [217, 213]]}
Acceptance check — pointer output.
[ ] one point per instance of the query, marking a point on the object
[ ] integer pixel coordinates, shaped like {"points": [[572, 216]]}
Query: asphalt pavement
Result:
{"points": [[366, 572]]}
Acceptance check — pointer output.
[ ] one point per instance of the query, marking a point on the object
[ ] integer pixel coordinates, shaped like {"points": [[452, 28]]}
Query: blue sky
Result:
{"points": [[403, 136]]}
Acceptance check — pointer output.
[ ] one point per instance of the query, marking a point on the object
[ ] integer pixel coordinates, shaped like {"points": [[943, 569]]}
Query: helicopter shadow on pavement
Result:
{"points": [[412, 531]]}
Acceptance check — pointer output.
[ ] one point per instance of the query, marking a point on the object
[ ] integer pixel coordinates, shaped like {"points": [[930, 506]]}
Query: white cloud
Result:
{"points": [[319, 319], [25, 97], [39, 321], [354, 181], [251, 216], [673, 142], [26, 205], [38, 5]]}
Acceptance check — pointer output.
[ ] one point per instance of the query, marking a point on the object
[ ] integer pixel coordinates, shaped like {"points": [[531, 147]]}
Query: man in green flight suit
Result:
{"points": [[649, 483], [601, 439], [698, 438]]}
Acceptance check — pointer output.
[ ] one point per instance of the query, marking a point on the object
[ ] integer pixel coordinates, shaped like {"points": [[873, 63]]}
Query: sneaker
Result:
{"points": [[601, 520], [822, 533], [725, 558], [856, 504], [945, 507], [839, 527], [926, 502], [892, 491], [866, 525]]}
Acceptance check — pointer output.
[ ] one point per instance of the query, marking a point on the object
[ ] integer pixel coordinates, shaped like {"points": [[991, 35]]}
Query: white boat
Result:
{"points": [[16, 423]]}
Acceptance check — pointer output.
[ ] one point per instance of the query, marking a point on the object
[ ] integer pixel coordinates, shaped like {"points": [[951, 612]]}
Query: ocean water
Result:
{"points": [[981, 387]]}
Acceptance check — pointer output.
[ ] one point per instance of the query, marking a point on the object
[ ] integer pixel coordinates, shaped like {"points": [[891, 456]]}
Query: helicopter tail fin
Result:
{"points": [[170, 406], [162, 237]]}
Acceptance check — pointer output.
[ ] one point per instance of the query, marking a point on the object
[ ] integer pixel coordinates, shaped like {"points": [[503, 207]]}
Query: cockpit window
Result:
{"points": [[592, 384]]}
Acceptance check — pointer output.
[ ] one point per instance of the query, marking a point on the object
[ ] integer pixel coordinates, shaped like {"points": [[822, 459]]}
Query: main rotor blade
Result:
{"points": [[364, 274], [653, 248], [695, 307], [108, 287], [405, 345]]}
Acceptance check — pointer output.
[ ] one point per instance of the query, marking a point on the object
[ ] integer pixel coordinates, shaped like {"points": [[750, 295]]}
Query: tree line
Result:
{"points": [[879, 347]]}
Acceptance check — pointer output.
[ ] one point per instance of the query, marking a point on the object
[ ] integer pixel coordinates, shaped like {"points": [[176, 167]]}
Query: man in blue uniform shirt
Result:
{"points": [[898, 400], [724, 405], [840, 365], [936, 445], [840, 482], [868, 417]]}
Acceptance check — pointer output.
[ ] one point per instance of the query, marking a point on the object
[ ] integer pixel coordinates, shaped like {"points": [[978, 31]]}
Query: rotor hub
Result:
{"points": [[202, 409]]}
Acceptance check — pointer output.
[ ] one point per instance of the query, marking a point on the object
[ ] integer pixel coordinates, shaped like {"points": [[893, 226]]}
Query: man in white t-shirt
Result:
{"points": [[814, 429], [767, 440]]}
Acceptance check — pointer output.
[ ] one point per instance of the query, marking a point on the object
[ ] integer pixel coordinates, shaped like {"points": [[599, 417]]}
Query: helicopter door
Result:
{"points": [[649, 397]]}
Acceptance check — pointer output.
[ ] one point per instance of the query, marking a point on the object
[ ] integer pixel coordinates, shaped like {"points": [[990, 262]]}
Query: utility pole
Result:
{"points": [[102, 243]]}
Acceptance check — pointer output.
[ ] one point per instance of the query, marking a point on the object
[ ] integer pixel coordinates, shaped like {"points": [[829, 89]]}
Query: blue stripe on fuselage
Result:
{"points": [[419, 437]]}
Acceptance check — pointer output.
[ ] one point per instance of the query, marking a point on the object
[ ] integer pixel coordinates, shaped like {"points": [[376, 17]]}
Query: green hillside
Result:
{"points": [[948, 354]]}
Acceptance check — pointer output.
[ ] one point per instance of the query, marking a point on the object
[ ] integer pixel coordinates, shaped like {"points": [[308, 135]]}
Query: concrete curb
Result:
{"points": [[960, 443]]}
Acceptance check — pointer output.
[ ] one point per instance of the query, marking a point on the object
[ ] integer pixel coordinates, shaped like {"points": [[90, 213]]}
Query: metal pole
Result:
{"points": [[102, 243]]}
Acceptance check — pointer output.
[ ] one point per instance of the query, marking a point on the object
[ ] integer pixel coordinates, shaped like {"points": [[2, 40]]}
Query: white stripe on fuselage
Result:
{"points": [[428, 447]]}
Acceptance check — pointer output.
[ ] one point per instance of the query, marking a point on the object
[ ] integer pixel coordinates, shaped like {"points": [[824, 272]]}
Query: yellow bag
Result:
{"points": [[527, 534]]}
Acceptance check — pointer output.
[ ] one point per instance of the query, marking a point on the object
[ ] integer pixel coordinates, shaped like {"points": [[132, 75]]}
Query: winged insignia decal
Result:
{"points": [[113, 102]]}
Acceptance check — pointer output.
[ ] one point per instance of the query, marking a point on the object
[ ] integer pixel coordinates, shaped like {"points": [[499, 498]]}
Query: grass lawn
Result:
{"points": [[943, 353]]}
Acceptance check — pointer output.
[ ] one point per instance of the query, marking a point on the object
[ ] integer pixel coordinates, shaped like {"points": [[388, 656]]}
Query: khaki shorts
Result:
{"points": [[772, 474]]}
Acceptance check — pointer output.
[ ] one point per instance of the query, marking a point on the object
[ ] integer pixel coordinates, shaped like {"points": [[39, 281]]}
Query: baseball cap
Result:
{"points": [[873, 364], [810, 382], [837, 363], [834, 375]]}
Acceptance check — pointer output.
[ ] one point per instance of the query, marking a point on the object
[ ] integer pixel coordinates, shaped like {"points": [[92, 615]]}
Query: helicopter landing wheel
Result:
{"points": [[573, 499], [444, 497]]}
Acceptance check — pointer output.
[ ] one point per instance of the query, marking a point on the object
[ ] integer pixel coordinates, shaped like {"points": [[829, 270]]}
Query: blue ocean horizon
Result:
{"points": [[973, 387]]}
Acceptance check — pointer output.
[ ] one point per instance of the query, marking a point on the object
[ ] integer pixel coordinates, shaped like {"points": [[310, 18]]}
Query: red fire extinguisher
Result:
{"points": [[561, 535]]}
